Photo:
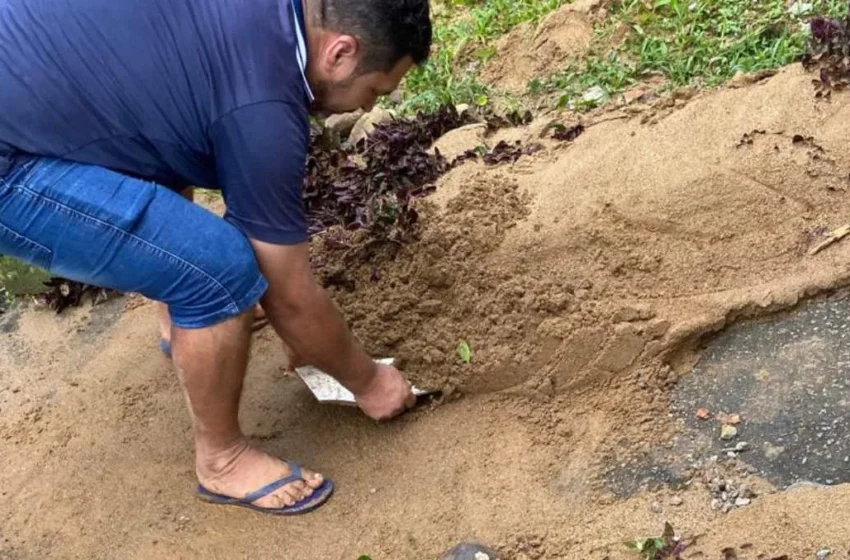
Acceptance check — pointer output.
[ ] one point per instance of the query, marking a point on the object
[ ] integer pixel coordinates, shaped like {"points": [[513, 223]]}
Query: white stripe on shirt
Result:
{"points": [[301, 51]]}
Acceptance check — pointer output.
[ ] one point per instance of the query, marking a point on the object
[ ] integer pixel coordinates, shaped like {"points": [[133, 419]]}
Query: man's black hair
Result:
{"points": [[388, 30]]}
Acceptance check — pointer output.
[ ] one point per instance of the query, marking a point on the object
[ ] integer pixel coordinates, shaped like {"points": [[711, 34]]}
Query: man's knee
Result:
{"points": [[226, 284]]}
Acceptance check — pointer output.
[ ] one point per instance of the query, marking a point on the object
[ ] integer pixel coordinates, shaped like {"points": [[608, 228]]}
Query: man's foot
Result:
{"points": [[242, 470]]}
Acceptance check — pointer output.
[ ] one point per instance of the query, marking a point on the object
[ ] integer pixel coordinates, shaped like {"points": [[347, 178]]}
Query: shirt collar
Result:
{"points": [[297, 9]]}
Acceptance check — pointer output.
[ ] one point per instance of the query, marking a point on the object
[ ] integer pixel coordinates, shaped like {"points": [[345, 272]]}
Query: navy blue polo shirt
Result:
{"points": [[210, 93]]}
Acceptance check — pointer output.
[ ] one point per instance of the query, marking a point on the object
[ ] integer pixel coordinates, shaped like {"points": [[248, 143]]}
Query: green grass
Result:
{"points": [[464, 35], [701, 43], [688, 42], [18, 278]]}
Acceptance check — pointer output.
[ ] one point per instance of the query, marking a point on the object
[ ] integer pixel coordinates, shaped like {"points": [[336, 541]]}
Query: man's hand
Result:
{"points": [[387, 396], [315, 333]]}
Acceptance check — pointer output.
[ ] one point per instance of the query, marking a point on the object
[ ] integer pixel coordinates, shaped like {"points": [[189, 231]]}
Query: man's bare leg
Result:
{"points": [[211, 364]]}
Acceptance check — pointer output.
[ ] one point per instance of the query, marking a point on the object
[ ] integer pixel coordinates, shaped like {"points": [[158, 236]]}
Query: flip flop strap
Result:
{"points": [[268, 489]]}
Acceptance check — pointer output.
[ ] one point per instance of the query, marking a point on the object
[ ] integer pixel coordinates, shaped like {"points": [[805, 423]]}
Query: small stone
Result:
{"points": [[772, 451], [740, 79], [733, 419], [804, 484], [343, 123], [703, 414], [373, 491], [716, 504], [742, 446], [595, 95], [460, 140], [741, 502], [727, 507], [366, 124], [470, 551], [728, 432], [800, 9], [656, 508], [745, 491], [823, 554], [676, 501]]}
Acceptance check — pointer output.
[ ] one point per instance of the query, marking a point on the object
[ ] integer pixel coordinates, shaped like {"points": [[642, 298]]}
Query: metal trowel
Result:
{"points": [[326, 389]]}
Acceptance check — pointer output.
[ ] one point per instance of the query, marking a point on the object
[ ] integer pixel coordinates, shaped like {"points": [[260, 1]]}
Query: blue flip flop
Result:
{"points": [[165, 347], [318, 498]]}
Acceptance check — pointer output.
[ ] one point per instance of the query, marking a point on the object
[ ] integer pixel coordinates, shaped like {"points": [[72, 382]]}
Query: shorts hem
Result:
{"points": [[238, 307]]}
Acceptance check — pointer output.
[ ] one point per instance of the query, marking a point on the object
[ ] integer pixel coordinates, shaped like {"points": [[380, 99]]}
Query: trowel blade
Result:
{"points": [[326, 389]]}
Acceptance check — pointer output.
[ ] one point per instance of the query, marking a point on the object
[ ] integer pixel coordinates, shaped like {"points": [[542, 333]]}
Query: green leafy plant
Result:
{"points": [[464, 352], [364, 557], [666, 547]]}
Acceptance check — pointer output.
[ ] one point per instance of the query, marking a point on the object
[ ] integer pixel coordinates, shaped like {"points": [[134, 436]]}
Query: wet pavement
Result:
{"points": [[788, 379]]}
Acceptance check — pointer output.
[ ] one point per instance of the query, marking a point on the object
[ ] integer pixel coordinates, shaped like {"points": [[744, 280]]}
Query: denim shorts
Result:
{"points": [[99, 227]]}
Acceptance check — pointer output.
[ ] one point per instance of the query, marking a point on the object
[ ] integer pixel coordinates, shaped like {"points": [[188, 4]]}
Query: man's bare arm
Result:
{"points": [[310, 324], [307, 320]]}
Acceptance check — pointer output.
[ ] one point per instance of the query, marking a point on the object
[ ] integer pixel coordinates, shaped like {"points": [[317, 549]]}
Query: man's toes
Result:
{"points": [[282, 499], [296, 490], [313, 480]]}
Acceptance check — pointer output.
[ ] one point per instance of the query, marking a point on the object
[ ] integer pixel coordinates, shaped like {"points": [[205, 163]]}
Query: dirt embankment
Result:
{"points": [[596, 258]]}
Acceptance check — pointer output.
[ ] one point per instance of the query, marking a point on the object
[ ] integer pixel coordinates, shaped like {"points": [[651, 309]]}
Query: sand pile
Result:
{"points": [[531, 50], [596, 257]]}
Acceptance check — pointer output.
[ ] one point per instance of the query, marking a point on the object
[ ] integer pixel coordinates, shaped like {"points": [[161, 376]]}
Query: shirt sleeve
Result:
{"points": [[261, 153]]}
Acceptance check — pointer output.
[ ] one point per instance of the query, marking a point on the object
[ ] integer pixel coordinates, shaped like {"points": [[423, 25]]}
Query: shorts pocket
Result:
{"points": [[95, 192], [13, 244]]}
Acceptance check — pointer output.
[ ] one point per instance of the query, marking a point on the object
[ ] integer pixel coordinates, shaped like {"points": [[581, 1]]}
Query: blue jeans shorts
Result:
{"points": [[99, 227]]}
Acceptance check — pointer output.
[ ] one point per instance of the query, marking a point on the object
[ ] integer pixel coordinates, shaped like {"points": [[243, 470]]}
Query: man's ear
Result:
{"points": [[342, 57]]}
